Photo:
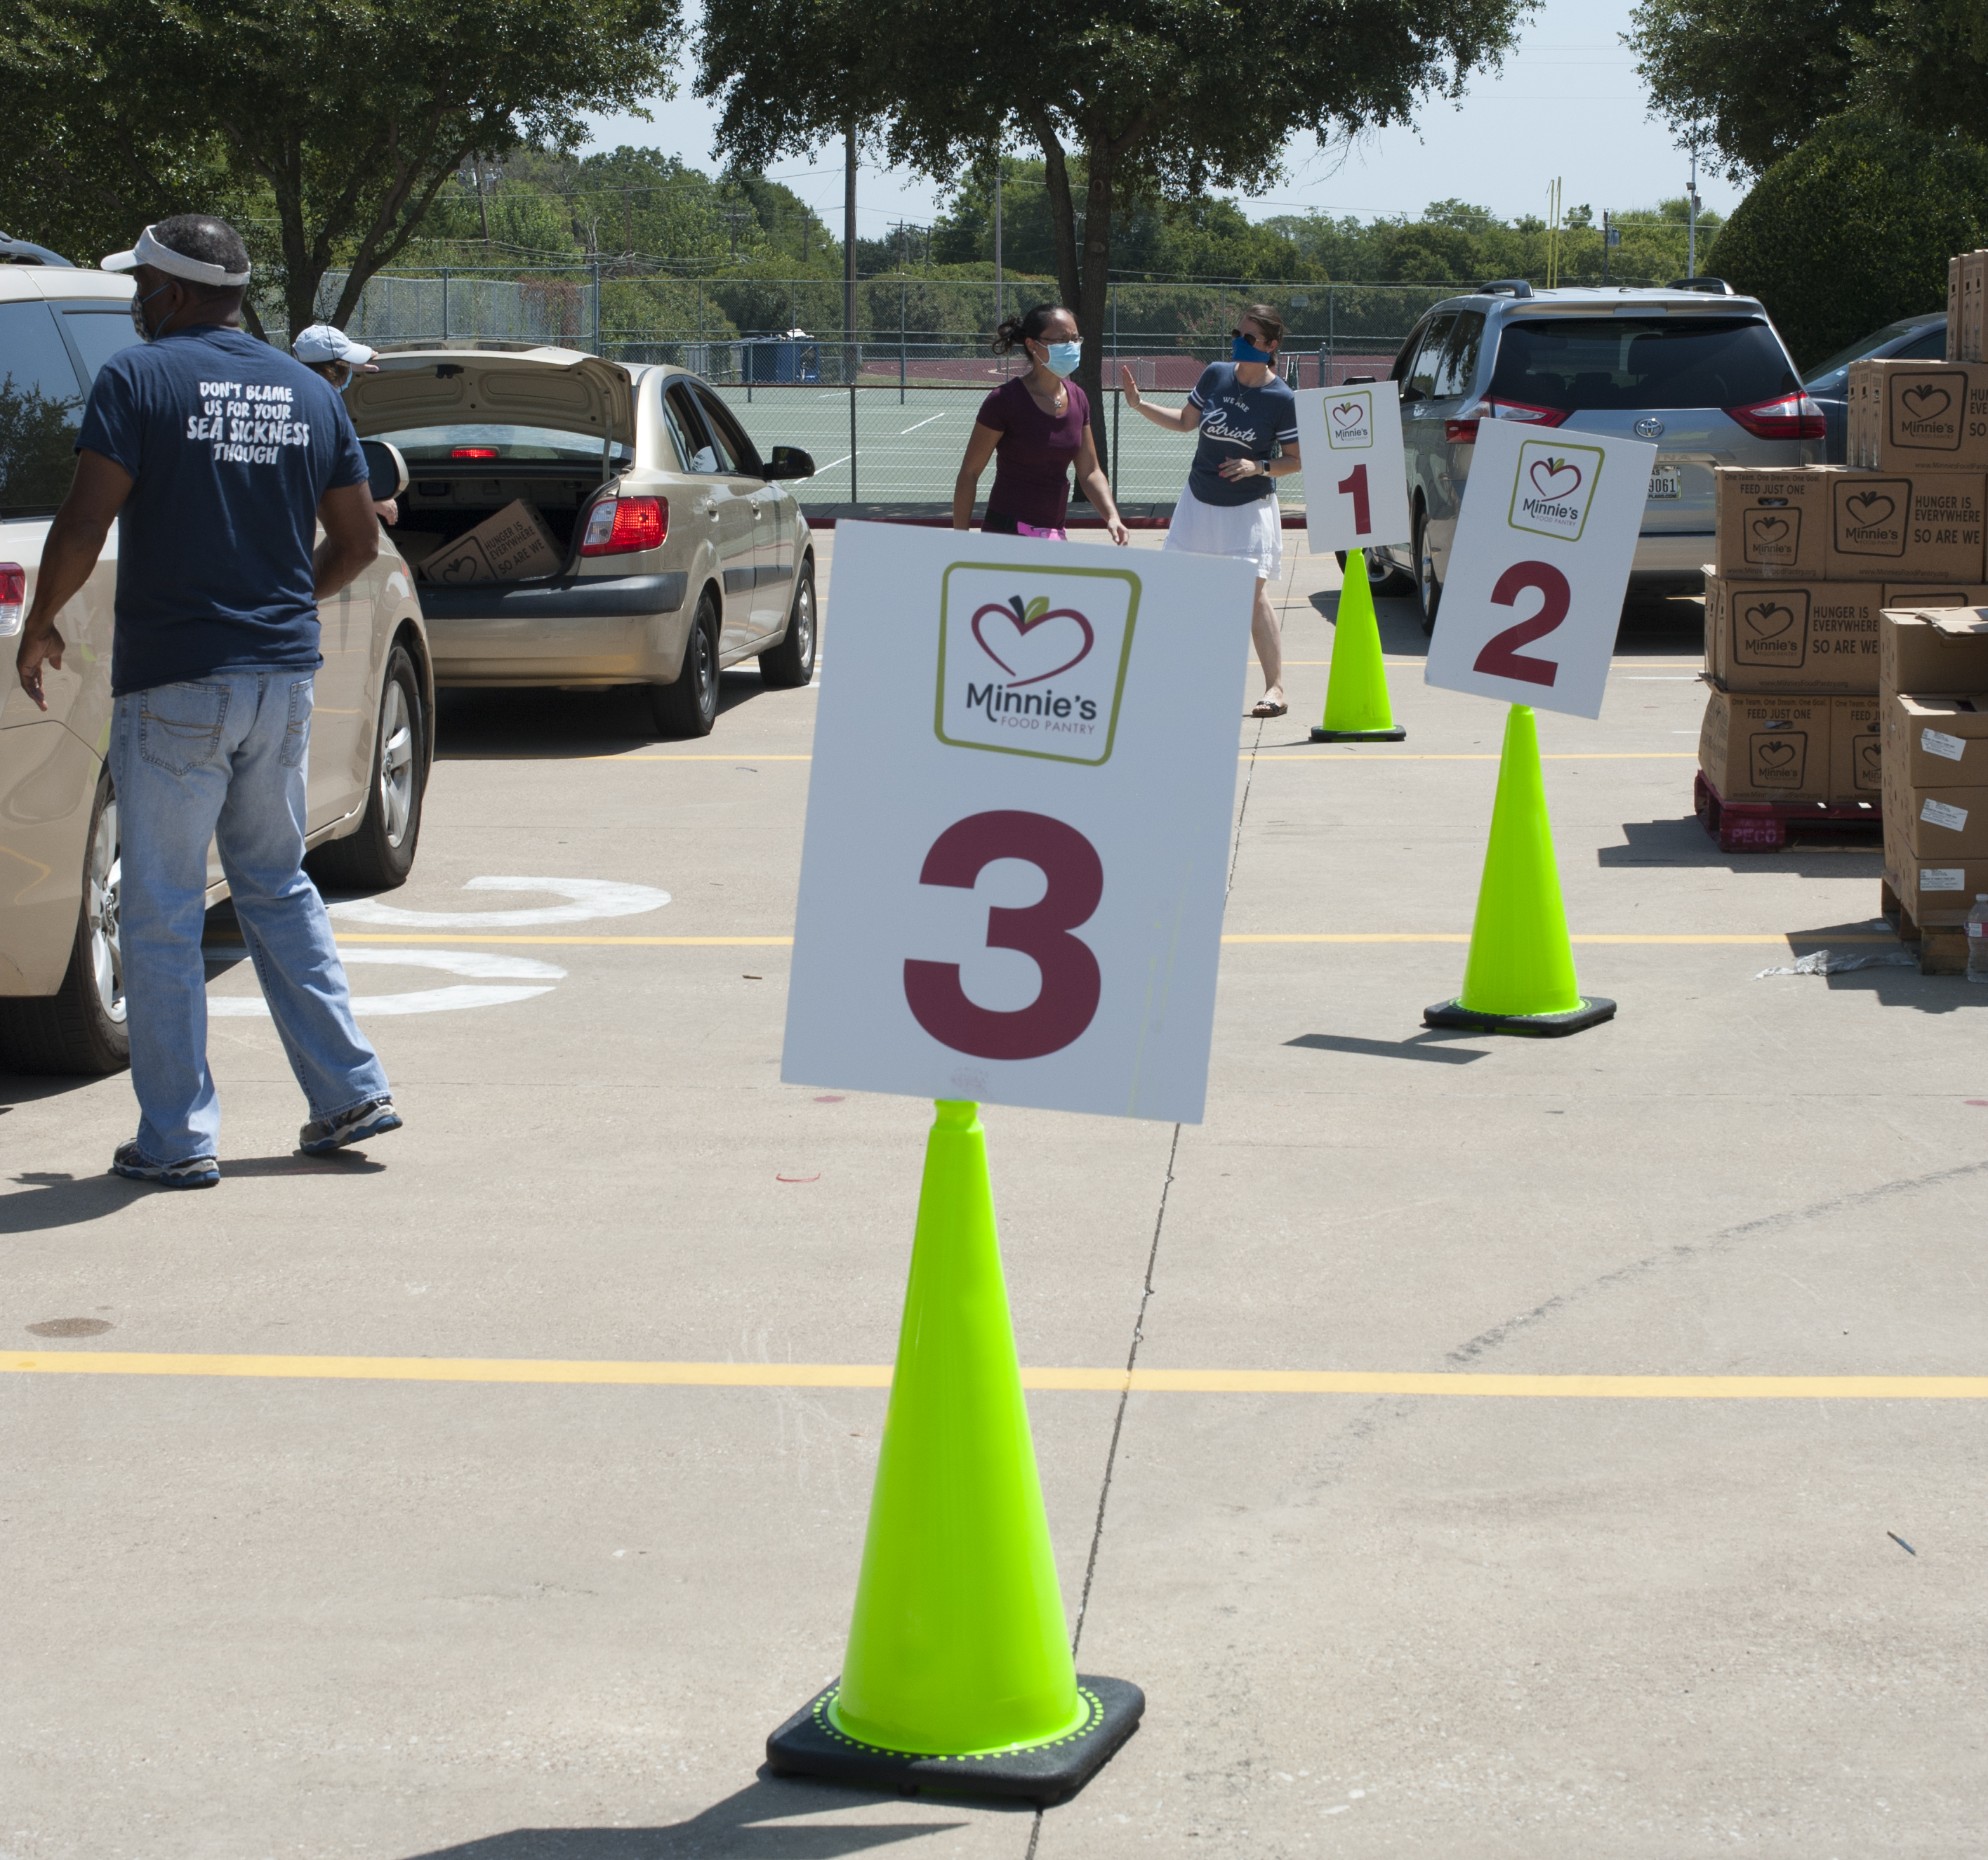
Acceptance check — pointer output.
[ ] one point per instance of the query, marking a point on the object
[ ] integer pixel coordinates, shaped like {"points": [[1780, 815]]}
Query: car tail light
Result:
{"points": [[1464, 431], [1788, 416], [619, 527], [474, 452], [13, 597]]}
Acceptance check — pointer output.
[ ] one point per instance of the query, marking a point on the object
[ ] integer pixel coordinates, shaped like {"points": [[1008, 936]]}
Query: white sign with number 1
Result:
{"points": [[1356, 487], [1540, 563], [1017, 823]]}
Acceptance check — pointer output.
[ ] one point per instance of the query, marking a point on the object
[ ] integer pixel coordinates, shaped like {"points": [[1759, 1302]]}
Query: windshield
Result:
{"points": [[1602, 363], [1929, 345], [498, 444]]}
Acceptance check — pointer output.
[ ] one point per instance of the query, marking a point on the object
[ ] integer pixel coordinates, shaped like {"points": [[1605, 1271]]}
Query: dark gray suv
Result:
{"points": [[1699, 371]]}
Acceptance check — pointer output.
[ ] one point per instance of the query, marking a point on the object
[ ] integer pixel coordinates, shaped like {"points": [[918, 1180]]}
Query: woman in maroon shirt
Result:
{"points": [[1034, 428]]}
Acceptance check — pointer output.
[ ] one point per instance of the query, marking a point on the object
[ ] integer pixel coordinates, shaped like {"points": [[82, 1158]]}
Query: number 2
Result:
{"points": [[1355, 487], [1501, 656], [1067, 1001]]}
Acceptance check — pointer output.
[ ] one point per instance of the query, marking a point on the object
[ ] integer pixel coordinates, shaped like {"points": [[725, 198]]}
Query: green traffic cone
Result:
{"points": [[1519, 977], [959, 1674], [1356, 709]]}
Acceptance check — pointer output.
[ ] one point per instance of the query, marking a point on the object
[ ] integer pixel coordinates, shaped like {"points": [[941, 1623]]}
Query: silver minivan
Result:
{"points": [[1700, 371]]}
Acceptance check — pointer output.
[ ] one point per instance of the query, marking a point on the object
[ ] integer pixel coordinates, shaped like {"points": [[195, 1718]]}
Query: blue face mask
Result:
{"points": [[1064, 357], [138, 316], [1245, 350]]}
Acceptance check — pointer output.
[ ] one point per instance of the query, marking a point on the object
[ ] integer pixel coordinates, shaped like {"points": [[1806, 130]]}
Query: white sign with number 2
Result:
{"points": [[1540, 563], [1356, 487], [1017, 823]]}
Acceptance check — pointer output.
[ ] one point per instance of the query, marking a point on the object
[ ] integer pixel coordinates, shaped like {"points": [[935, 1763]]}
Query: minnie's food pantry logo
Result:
{"points": [[1032, 661], [1554, 488], [1926, 409], [1349, 424]]}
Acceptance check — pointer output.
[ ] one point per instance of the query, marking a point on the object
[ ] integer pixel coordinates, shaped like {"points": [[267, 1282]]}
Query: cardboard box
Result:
{"points": [[1938, 742], [1935, 895], [1919, 525], [1918, 594], [1856, 751], [1953, 308], [1908, 416], [1941, 649], [1974, 277], [514, 544], [1939, 826], [1769, 523], [1766, 749], [1793, 636]]}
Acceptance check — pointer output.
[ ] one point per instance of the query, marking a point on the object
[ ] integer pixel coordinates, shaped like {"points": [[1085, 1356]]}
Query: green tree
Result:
{"points": [[1758, 74], [349, 120], [1854, 229], [1156, 98]]}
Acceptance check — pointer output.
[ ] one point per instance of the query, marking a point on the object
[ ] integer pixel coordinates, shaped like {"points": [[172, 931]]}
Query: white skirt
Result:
{"points": [[1254, 531]]}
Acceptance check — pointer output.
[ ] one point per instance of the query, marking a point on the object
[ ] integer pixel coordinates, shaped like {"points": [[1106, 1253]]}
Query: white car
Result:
{"points": [[62, 986]]}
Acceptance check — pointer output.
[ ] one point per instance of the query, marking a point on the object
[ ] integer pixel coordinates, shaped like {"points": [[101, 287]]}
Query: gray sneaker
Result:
{"points": [[373, 1118], [191, 1172]]}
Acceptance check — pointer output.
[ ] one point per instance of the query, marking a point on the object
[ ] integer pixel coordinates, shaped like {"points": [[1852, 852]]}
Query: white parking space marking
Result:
{"points": [[903, 430], [477, 962], [592, 897]]}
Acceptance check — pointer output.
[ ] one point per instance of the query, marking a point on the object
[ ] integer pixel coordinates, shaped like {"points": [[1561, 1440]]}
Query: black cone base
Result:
{"points": [[1395, 733], [1591, 1012], [808, 1744]]}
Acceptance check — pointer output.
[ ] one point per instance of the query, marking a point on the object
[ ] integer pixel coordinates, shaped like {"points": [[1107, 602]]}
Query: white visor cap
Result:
{"points": [[149, 250], [324, 342]]}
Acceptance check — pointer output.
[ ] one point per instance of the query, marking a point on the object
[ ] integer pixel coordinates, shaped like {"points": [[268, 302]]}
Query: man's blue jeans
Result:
{"points": [[224, 758]]}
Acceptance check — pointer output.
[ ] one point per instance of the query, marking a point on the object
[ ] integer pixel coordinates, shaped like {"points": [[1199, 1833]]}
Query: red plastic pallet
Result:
{"points": [[1765, 826]]}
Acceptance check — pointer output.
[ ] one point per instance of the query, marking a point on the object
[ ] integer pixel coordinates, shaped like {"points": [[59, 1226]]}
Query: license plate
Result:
{"points": [[1667, 481]]}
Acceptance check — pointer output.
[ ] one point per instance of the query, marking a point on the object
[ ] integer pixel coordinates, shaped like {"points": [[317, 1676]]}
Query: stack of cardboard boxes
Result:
{"points": [[1807, 560]]}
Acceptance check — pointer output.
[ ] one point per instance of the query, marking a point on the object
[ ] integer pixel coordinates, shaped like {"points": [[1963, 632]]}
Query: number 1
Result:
{"points": [[1355, 487]]}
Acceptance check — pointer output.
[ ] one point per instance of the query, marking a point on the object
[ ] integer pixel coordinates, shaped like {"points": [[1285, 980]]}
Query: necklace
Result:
{"points": [[1057, 402]]}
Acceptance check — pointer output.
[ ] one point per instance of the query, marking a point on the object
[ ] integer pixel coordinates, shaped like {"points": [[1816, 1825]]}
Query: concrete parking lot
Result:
{"points": [[352, 1610]]}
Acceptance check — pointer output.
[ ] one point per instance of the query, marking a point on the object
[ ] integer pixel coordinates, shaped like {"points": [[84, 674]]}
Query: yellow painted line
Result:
{"points": [[1686, 940], [877, 1375]]}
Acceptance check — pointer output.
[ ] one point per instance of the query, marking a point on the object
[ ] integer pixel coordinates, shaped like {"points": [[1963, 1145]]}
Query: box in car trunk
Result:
{"points": [[1915, 526], [1792, 636], [1769, 523], [514, 544], [1905, 415]]}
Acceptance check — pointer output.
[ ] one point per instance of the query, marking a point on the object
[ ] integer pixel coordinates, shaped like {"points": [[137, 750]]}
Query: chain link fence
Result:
{"points": [[885, 406]]}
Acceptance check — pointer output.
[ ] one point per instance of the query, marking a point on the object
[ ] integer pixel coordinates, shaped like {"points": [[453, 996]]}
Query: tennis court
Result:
{"points": [[890, 445]]}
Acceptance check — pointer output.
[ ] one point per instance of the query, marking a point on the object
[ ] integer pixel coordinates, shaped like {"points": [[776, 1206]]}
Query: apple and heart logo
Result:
{"points": [[1868, 509], [1769, 531], [1926, 403], [466, 565], [1870, 756], [1776, 755], [1035, 640], [1561, 479], [1767, 619], [1349, 416]]}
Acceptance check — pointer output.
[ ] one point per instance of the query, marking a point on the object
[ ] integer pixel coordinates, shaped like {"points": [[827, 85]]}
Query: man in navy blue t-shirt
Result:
{"points": [[218, 456]]}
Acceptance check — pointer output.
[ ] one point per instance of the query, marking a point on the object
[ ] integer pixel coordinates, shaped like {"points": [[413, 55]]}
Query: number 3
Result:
{"points": [[1501, 656], [1067, 1000]]}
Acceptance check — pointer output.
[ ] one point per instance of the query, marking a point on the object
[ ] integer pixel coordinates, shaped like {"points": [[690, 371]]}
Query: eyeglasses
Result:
{"points": [[1255, 342]]}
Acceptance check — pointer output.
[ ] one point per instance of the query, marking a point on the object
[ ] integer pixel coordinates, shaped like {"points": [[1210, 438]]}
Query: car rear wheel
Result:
{"points": [[381, 854], [1428, 585], [81, 1027], [689, 707], [791, 663], [1382, 576]]}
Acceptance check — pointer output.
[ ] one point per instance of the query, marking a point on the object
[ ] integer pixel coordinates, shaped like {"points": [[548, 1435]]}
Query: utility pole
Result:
{"points": [[1691, 200], [1607, 240]]}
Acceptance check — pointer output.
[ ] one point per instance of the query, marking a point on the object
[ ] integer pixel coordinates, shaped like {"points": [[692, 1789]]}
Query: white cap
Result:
{"points": [[324, 342], [149, 250]]}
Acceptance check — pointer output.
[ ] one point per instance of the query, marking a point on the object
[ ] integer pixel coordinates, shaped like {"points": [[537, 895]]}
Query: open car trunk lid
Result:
{"points": [[562, 389]]}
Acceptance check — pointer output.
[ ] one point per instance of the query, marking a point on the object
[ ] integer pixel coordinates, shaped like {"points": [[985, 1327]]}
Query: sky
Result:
{"points": [[1568, 102]]}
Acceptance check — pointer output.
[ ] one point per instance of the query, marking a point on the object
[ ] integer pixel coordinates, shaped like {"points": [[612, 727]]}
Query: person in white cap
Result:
{"points": [[218, 456], [325, 349]]}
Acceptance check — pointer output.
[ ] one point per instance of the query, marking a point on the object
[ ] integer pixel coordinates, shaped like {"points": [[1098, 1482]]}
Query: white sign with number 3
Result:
{"points": [[1543, 546], [1017, 823], [1356, 487]]}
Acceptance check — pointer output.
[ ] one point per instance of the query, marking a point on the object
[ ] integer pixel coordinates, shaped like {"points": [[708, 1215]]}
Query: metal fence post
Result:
{"points": [[597, 306], [444, 303], [852, 442], [1331, 336], [903, 289]]}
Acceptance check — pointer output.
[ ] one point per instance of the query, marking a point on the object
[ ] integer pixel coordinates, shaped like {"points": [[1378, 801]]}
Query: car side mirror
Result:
{"points": [[385, 470], [789, 462]]}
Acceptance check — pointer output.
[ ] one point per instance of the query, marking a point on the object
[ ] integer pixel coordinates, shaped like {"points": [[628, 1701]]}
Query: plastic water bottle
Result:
{"points": [[1977, 938]]}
